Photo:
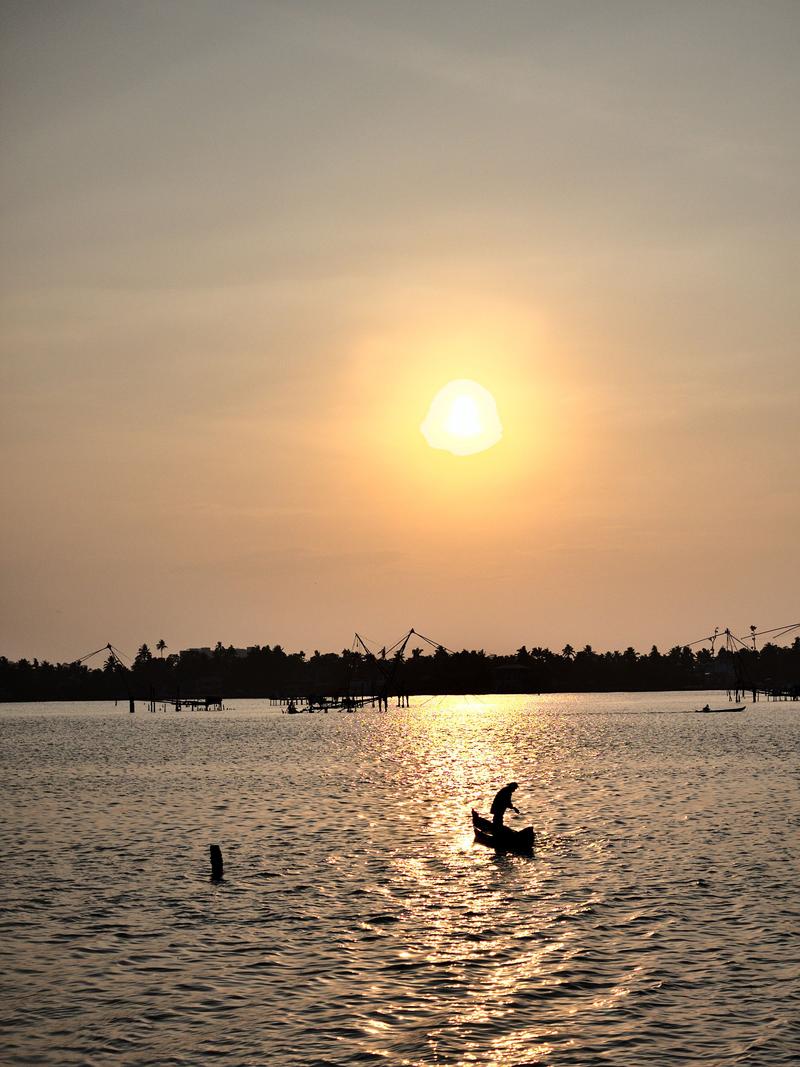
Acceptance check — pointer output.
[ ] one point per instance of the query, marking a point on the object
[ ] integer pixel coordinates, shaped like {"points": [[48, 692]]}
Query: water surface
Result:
{"points": [[359, 924]]}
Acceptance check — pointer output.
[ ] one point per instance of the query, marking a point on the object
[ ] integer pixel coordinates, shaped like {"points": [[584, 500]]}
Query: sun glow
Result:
{"points": [[462, 419]]}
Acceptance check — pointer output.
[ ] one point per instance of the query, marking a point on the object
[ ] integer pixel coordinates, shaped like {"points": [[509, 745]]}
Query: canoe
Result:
{"points": [[719, 711], [521, 841]]}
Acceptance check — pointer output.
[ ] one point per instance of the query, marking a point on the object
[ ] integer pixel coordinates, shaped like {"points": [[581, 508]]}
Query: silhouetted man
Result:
{"points": [[500, 805]]}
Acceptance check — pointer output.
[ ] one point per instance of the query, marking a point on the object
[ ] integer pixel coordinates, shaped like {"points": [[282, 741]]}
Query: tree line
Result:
{"points": [[272, 672]]}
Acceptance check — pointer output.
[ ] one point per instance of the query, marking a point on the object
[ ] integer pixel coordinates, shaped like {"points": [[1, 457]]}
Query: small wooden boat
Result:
{"points": [[521, 841], [718, 711]]}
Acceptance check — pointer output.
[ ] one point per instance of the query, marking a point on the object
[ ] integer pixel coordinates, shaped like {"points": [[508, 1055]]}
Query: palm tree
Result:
{"points": [[160, 646], [568, 652]]}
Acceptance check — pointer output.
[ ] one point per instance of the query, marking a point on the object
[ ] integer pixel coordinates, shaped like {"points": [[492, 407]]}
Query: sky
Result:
{"points": [[244, 244]]}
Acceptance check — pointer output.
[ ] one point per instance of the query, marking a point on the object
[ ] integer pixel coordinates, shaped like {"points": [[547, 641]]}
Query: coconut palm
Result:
{"points": [[160, 646]]}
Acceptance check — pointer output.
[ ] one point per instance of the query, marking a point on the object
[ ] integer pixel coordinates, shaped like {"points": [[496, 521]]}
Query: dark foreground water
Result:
{"points": [[357, 922]]}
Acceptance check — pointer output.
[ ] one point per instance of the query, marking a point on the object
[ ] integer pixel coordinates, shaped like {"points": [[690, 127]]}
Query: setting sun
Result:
{"points": [[462, 419]]}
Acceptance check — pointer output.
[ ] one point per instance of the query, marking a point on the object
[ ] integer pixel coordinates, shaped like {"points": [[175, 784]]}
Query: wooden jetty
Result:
{"points": [[791, 692], [314, 705], [196, 703]]}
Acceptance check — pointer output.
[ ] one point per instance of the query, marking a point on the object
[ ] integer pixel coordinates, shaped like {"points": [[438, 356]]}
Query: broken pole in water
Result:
{"points": [[216, 862]]}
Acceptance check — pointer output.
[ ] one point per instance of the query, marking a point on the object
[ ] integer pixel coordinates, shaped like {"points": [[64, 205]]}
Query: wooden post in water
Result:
{"points": [[216, 862]]}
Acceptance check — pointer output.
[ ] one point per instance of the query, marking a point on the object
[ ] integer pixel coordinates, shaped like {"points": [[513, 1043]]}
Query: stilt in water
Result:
{"points": [[216, 863]]}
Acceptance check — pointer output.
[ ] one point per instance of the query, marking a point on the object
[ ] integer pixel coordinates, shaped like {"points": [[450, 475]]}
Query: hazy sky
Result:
{"points": [[243, 244]]}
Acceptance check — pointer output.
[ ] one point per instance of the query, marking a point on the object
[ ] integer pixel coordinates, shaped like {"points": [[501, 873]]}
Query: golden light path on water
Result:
{"points": [[457, 763]]}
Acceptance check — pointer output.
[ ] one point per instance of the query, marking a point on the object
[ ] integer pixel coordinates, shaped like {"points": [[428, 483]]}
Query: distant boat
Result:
{"points": [[718, 711], [509, 841]]}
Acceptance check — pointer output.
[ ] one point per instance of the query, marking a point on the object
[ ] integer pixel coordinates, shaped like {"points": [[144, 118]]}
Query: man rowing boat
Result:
{"points": [[500, 804]]}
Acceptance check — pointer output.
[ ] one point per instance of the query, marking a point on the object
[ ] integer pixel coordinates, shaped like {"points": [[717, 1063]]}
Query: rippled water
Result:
{"points": [[358, 923]]}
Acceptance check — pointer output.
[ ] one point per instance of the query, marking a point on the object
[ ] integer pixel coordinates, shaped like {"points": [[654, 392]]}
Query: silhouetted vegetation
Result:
{"points": [[271, 671]]}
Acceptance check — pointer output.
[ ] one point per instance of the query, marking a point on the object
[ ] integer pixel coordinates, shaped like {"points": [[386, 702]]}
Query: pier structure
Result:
{"points": [[195, 703], [310, 705], [791, 692]]}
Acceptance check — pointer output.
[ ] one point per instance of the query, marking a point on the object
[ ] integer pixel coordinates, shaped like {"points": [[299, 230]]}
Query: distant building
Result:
{"points": [[238, 653]]}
